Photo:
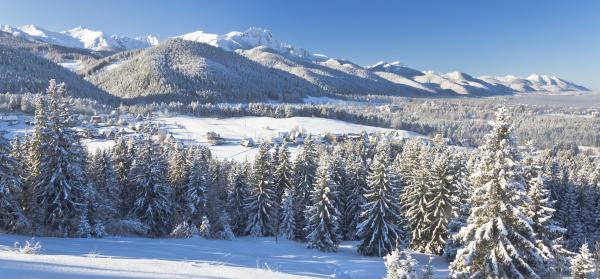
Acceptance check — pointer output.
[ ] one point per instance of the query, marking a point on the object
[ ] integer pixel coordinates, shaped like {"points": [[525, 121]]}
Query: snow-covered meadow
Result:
{"points": [[234, 129], [247, 257]]}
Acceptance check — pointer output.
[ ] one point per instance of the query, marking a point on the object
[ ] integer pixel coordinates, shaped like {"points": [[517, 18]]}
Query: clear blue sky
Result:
{"points": [[478, 37]]}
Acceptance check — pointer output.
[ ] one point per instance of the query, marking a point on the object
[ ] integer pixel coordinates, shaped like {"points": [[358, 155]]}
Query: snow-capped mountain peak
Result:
{"points": [[33, 30], [93, 39], [127, 43], [395, 67], [456, 75], [80, 37], [201, 37], [251, 38], [254, 37]]}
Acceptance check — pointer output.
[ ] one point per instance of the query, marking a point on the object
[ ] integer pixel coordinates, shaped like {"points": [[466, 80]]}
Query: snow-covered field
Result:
{"points": [[233, 130], [259, 128], [115, 257]]}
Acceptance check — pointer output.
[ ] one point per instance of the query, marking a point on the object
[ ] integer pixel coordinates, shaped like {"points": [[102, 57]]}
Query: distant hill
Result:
{"points": [[24, 72]]}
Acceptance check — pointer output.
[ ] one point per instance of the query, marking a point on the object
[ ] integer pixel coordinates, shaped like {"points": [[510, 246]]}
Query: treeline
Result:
{"points": [[459, 120], [463, 121]]}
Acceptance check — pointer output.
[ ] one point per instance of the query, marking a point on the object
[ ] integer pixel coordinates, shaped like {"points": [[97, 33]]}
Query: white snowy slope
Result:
{"points": [[456, 82], [465, 84], [251, 38], [32, 32], [535, 83], [395, 67], [130, 257], [80, 37], [136, 43], [92, 39]]}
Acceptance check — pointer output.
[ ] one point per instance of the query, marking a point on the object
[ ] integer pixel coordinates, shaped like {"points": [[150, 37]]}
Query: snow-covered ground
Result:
{"points": [[9, 129], [233, 130], [259, 128], [73, 65], [116, 257]]}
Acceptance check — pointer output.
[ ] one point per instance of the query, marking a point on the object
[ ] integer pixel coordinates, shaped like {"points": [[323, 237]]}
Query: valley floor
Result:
{"points": [[130, 257]]}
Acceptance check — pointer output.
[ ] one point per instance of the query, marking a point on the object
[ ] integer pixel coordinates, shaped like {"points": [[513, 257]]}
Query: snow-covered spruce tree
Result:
{"points": [[215, 205], [415, 199], [354, 189], [460, 170], [196, 187], [531, 167], [238, 193], [499, 241], [582, 264], [282, 178], [178, 176], [540, 211], [323, 218], [403, 225], [59, 183], [34, 149], [153, 205], [216, 195], [205, 229], [287, 226], [17, 151], [11, 215], [122, 158], [441, 206], [379, 231], [225, 231], [571, 219], [339, 177], [102, 177], [304, 174], [590, 216], [261, 202], [407, 163]]}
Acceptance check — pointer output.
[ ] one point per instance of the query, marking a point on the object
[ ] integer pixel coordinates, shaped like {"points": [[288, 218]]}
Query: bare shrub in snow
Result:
{"points": [[30, 247]]}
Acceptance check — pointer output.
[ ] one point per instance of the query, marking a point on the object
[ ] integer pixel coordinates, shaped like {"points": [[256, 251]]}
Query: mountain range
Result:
{"points": [[242, 66], [80, 37]]}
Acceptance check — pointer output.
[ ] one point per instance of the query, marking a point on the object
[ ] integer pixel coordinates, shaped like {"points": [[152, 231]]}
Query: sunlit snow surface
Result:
{"points": [[259, 128], [193, 130], [246, 257]]}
